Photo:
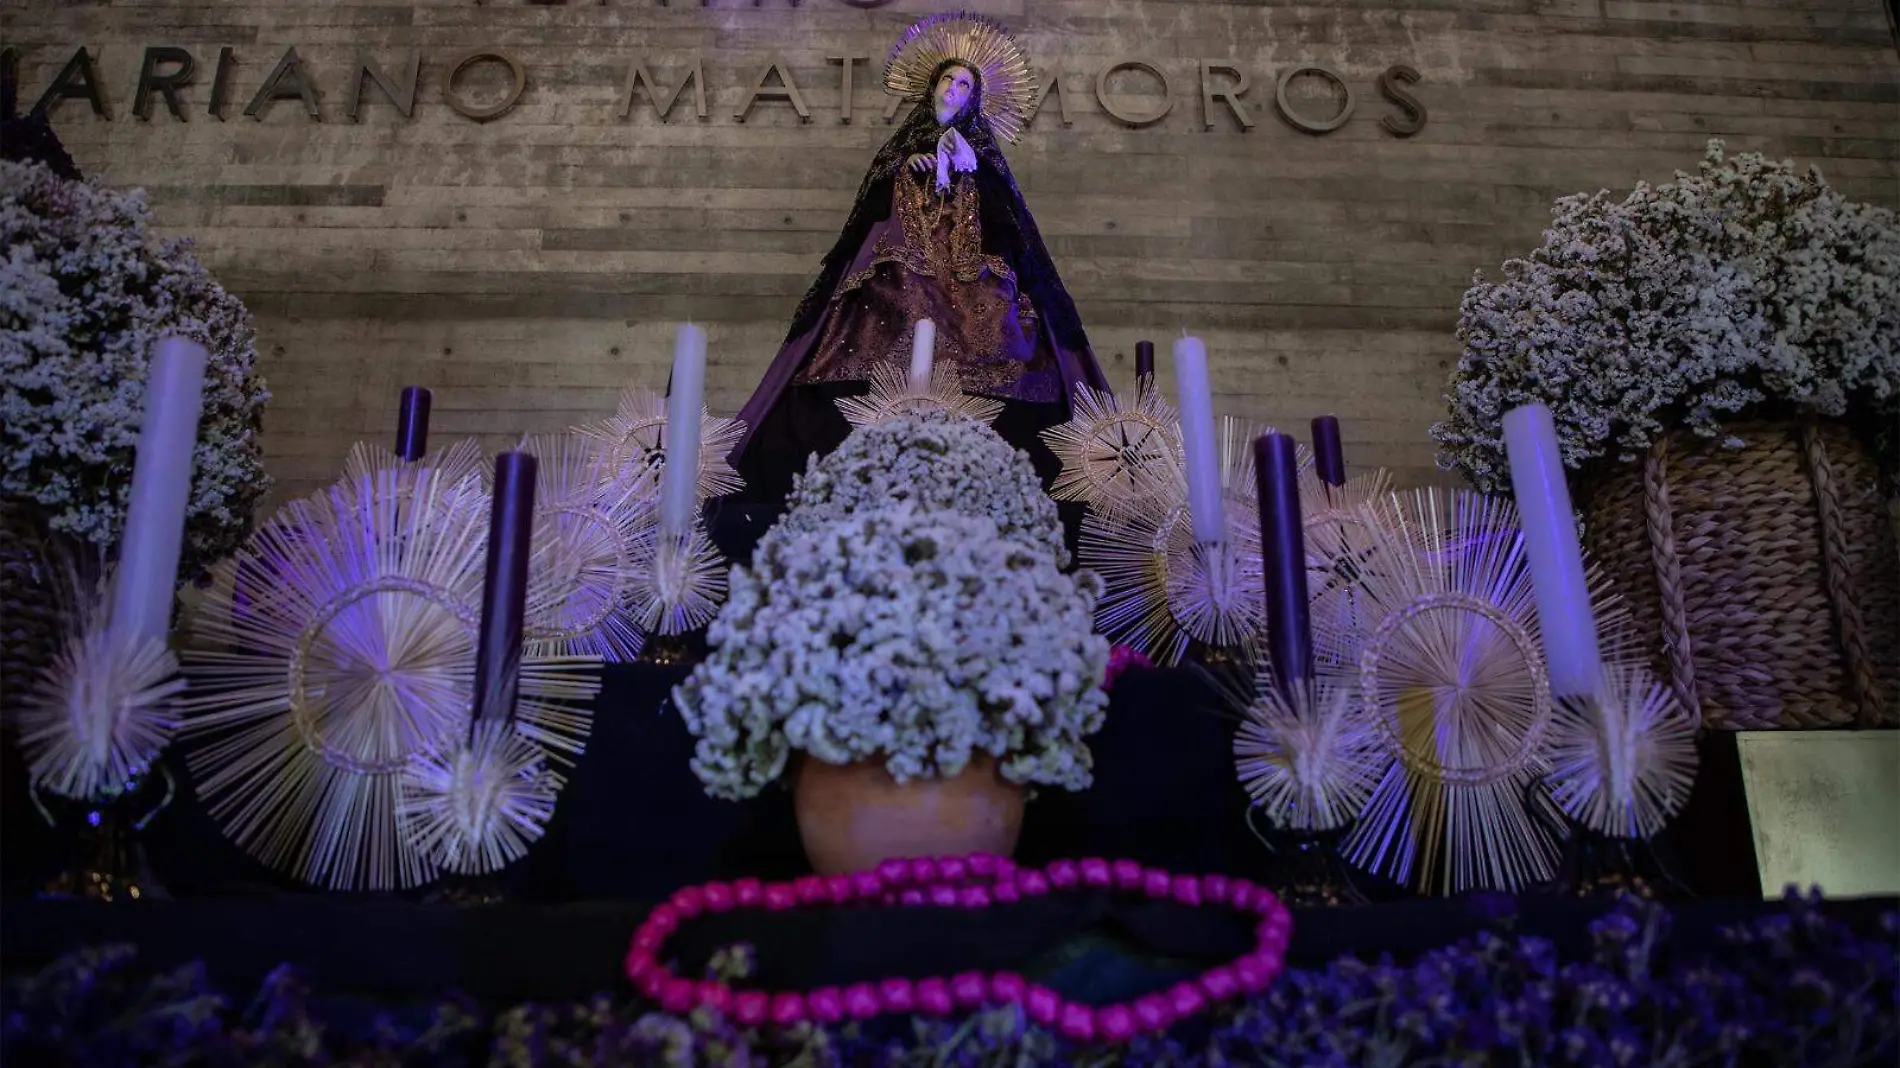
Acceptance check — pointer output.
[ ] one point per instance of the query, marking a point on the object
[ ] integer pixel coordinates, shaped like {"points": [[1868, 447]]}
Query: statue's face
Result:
{"points": [[954, 88]]}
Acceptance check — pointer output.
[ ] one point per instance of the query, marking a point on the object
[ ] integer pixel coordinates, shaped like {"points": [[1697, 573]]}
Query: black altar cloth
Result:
{"points": [[1086, 946], [634, 824]]}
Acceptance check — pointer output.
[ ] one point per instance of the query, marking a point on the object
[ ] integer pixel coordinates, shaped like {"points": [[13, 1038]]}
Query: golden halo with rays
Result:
{"points": [[979, 43], [476, 807], [635, 437], [1308, 755], [102, 710], [1116, 461], [1624, 763], [581, 569], [307, 707], [1455, 676], [679, 583], [892, 397]]}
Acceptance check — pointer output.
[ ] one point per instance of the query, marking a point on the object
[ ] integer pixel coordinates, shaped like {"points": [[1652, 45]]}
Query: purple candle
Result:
{"points": [[412, 423], [1328, 458], [1144, 367], [505, 588], [1283, 554]]}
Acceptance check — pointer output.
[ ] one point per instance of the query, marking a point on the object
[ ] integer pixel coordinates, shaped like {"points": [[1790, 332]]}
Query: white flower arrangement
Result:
{"points": [[1746, 288], [922, 637], [937, 460], [84, 292]]}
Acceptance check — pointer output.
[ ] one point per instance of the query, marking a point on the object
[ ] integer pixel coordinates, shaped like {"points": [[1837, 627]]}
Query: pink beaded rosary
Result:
{"points": [[975, 881]]}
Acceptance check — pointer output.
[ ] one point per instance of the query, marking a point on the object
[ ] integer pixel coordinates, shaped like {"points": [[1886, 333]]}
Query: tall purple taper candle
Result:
{"points": [[505, 588], [1144, 367], [412, 423], [1329, 460], [1283, 554]]}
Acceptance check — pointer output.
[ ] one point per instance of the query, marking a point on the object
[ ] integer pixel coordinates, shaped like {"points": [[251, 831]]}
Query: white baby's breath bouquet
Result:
{"points": [[937, 460], [918, 637], [1747, 288], [84, 293]]}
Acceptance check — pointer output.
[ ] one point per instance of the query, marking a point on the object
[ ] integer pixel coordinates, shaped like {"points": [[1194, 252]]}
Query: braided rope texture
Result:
{"points": [[1659, 525], [1764, 580]]}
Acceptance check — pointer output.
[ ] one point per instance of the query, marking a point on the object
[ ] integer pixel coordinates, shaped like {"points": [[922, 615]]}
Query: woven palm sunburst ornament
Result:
{"points": [[1118, 462], [1338, 544], [679, 582], [307, 708], [1163, 588], [635, 438], [581, 572], [102, 710], [1622, 764], [1309, 755], [981, 44], [1454, 675], [892, 395], [477, 806], [455, 466]]}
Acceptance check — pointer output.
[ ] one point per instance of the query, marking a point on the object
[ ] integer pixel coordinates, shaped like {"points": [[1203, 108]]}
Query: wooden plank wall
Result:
{"points": [[530, 266]]}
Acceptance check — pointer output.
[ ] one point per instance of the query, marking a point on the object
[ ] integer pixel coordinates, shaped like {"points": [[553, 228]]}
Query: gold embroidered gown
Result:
{"points": [[927, 262]]}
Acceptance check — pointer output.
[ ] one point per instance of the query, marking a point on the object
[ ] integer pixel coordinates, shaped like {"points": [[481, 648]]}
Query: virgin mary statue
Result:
{"points": [[940, 232]]}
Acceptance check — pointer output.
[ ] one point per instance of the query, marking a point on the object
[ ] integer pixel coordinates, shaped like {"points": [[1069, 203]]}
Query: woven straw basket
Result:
{"points": [[1764, 579]]}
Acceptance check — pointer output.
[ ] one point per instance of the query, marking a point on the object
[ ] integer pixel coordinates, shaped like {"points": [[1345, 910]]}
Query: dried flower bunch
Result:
{"points": [[936, 460], [922, 637], [84, 293], [1744, 286]]}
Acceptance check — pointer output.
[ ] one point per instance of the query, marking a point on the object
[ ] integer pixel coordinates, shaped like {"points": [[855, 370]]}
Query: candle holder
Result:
{"points": [[893, 395], [104, 837], [680, 583], [1213, 591], [1623, 763], [477, 808], [1307, 871], [1595, 865], [93, 727], [668, 650], [1309, 755]]}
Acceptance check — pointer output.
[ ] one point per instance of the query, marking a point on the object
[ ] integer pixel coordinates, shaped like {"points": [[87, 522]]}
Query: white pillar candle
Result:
{"points": [[147, 577], [1556, 556], [1201, 451], [685, 404], [923, 348]]}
